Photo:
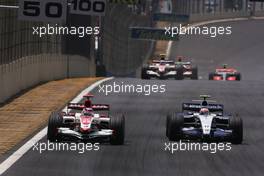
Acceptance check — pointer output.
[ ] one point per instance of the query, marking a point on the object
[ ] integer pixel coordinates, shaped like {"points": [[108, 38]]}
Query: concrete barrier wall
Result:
{"points": [[27, 60], [80, 66], [32, 70], [259, 13]]}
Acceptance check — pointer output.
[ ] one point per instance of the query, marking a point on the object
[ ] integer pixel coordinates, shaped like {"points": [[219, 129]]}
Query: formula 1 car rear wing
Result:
{"points": [[182, 63], [101, 107], [163, 61], [197, 106], [95, 107]]}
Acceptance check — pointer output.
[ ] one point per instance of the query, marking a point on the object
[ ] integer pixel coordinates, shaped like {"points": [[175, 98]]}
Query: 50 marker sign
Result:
{"points": [[39, 10], [88, 7], [56, 10]]}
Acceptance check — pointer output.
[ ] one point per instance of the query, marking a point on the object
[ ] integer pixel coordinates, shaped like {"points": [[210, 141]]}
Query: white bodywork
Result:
{"points": [[206, 122], [187, 73], [94, 134], [170, 73], [96, 119], [161, 70]]}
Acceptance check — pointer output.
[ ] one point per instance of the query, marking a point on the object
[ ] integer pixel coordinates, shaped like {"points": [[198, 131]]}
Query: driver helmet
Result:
{"points": [[162, 58], [87, 112], [204, 111], [179, 58], [88, 103]]}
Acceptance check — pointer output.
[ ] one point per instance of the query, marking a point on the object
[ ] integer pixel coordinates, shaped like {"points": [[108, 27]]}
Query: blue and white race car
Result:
{"points": [[204, 121]]}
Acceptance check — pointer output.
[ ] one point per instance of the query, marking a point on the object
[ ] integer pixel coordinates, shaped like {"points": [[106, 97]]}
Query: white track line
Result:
{"points": [[168, 51], [23, 149]]}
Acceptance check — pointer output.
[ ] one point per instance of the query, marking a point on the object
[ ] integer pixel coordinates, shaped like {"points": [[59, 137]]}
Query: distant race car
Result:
{"points": [[162, 69], [204, 121], [225, 74], [90, 122], [189, 71]]}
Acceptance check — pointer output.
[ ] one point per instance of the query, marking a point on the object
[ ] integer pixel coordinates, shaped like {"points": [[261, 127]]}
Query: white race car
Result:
{"points": [[88, 124], [162, 69], [204, 121]]}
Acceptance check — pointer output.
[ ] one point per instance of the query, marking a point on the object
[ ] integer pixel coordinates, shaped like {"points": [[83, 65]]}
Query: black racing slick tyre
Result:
{"points": [[55, 121], [236, 125], [194, 75], [144, 74], [179, 75], [117, 124], [175, 125]]}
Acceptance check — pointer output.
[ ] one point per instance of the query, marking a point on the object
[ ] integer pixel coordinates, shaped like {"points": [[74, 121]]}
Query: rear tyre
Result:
{"points": [[211, 76], [194, 75], [55, 121], [117, 124], [179, 75], [236, 125], [175, 125]]}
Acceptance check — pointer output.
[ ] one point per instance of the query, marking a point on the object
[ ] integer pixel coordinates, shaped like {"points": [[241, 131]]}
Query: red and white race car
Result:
{"points": [[86, 121], [225, 74], [162, 68]]}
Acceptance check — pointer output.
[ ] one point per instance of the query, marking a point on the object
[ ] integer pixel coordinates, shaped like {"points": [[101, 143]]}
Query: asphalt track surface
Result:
{"points": [[143, 152]]}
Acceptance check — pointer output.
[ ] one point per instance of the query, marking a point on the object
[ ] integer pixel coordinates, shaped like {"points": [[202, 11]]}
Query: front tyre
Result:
{"points": [[55, 121], [236, 125], [117, 124], [175, 125]]}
